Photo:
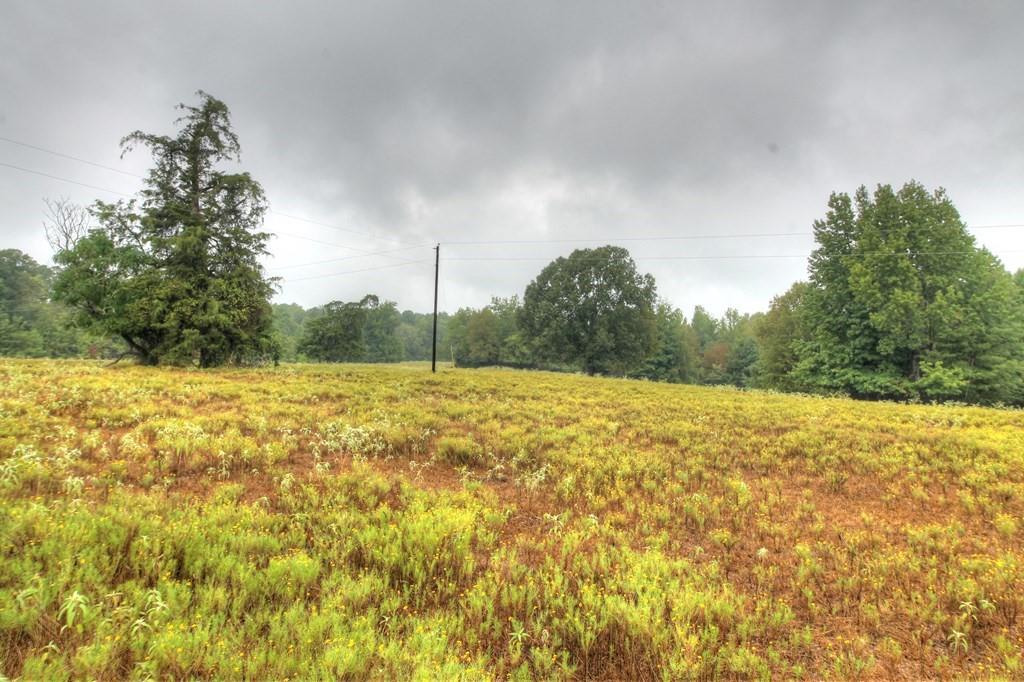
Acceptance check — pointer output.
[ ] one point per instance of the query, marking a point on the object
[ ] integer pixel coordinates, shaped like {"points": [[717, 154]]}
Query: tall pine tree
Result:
{"points": [[176, 273]]}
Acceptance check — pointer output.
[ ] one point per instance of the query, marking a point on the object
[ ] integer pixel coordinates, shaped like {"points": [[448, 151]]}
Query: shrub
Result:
{"points": [[460, 451]]}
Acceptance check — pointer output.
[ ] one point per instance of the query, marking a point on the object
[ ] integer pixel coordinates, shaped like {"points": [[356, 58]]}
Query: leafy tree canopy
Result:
{"points": [[362, 331], [903, 304], [336, 335], [489, 336], [674, 358], [31, 324], [780, 333], [24, 287], [592, 309]]}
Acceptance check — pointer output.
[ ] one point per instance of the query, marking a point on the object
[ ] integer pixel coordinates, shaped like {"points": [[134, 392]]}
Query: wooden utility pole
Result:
{"points": [[433, 345]]}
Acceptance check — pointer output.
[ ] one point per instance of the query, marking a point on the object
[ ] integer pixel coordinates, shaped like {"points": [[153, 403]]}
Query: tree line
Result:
{"points": [[33, 325], [900, 302], [704, 349]]}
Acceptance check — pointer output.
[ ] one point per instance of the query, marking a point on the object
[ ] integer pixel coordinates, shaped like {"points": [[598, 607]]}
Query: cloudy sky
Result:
{"points": [[529, 128]]}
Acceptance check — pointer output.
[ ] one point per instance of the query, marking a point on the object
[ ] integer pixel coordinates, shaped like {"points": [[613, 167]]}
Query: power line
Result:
{"points": [[55, 177], [360, 255], [278, 233], [114, 191], [136, 175], [741, 235], [337, 227], [626, 239], [730, 256], [364, 269], [407, 245], [748, 235], [129, 196], [72, 158]]}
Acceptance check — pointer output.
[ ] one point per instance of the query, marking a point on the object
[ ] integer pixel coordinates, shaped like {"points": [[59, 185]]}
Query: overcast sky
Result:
{"points": [[403, 124]]}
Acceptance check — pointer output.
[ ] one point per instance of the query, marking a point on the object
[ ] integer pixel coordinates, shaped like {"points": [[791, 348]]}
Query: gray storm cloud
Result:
{"points": [[454, 122]]}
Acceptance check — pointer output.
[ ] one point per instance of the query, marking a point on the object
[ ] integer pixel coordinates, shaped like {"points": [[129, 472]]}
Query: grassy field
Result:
{"points": [[316, 522]]}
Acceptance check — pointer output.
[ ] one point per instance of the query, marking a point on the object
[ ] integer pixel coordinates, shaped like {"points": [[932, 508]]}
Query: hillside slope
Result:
{"points": [[316, 522]]}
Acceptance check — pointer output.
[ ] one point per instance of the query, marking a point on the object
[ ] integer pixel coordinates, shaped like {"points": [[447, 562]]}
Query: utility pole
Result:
{"points": [[433, 345]]}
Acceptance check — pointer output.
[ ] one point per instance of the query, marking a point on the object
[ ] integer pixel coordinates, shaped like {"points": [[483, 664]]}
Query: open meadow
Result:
{"points": [[332, 522]]}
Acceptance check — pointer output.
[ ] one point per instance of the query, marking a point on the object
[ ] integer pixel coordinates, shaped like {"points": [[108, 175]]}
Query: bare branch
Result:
{"points": [[65, 223]]}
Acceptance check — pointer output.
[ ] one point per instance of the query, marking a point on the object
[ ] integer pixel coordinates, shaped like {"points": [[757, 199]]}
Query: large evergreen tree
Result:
{"points": [[903, 304], [175, 274]]}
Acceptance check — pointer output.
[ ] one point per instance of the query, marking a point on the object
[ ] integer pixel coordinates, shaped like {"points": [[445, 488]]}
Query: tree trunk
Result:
{"points": [[143, 354]]}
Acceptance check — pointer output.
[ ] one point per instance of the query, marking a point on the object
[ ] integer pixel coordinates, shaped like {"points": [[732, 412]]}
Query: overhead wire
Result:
{"points": [[360, 255], [368, 235], [72, 158], [724, 256], [686, 237], [278, 233], [496, 242], [78, 159], [350, 272], [124, 194], [55, 177]]}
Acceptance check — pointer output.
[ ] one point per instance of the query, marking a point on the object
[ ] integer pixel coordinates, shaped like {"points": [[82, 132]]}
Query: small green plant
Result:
{"points": [[518, 637], [74, 610], [1006, 525], [958, 641], [460, 451]]}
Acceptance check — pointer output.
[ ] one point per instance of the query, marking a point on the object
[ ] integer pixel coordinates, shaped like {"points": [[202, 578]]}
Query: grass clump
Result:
{"points": [[460, 451]]}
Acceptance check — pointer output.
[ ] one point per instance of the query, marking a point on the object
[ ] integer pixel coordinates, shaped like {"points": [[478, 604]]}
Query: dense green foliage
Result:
{"points": [[32, 325], [674, 358], [902, 304], [336, 335], [175, 275], [415, 331], [380, 331], [592, 308], [363, 331], [383, 340], [728, 347], [779, 334], [489, 336], [289, 322]]}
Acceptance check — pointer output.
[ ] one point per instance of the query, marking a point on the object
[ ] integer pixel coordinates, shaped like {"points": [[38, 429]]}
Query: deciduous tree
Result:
{"points": [[903, 303], [591, 309], [336, 334], [674, 358], [780, 333]]}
